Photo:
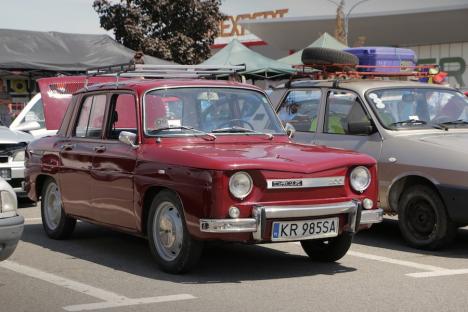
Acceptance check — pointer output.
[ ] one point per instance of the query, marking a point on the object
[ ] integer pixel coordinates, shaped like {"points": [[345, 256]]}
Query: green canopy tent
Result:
{"points": [[324, 41], [257, 66]]}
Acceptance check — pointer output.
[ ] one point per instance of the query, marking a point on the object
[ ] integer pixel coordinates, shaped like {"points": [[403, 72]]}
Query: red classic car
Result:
{"points": [[181, 161]]}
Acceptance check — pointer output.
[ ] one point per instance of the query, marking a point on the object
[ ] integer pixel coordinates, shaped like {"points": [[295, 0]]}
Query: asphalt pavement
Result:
{"points": [[101, 270]]}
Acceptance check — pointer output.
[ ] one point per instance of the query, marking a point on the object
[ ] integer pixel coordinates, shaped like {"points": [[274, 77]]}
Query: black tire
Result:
{"points": [[65, 224], [325, 56], [190, 249], [329, 249], [423, 219]]}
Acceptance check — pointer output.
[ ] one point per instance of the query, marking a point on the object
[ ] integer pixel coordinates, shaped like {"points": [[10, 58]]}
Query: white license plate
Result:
{"points": [[304, 229]]}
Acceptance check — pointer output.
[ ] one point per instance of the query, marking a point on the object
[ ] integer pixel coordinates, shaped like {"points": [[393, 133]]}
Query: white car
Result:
{"points": [[12, 146], [31, 119], [11, 224]]}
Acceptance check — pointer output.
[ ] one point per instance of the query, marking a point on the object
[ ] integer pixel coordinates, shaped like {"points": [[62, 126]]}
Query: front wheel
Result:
{"points": [[329, 249], [423, 219], [170, 242], [56, 223]]}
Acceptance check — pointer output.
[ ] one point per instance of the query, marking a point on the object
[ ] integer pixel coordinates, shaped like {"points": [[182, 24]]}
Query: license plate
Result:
{"points": [[304, 229], [5, 173]]}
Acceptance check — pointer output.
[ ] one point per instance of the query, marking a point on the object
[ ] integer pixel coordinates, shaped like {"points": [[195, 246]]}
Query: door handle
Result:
{"points": [[67, 146], [100, 149]]}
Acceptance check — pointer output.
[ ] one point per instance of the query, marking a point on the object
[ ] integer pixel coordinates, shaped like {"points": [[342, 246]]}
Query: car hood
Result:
{"points": [[8, 136], [452, 141], [264, 156]]}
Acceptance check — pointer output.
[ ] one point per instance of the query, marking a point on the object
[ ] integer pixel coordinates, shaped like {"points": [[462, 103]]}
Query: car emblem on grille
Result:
{"points": [[285, 183], [305, 182]]}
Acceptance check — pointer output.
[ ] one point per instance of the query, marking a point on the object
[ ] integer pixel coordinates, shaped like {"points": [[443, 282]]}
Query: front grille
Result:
{"points": [[8, 149], [3, 159], [15, 182]]}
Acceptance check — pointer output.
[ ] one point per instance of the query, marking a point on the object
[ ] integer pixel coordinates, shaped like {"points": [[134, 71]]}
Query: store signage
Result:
{"points": [[230, 26]]}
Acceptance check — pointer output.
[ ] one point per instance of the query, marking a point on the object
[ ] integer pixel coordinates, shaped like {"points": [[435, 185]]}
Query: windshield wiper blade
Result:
{"points": [[184, 128], [455, 122], [237, 129], [234, 129], [409, 122]]}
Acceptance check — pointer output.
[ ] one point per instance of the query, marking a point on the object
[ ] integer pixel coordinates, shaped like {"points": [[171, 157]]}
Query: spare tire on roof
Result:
{"points": [[325, 56]]}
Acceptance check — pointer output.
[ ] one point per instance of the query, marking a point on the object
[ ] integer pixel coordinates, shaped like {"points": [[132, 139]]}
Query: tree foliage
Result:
{"points": [[175, 30]]}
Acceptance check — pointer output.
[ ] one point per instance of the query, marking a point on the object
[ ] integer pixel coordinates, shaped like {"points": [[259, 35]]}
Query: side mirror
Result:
{"points": [[28, 126], [361, 128], [128, 138], [290, 130]]}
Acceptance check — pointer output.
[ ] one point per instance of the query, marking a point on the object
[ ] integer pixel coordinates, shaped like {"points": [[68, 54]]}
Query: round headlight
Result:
{"points": [[240, 184], [360, 179]]}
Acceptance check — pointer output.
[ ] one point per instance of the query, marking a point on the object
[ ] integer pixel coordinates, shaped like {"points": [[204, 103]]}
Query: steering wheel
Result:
{"points": [[232, 121]]}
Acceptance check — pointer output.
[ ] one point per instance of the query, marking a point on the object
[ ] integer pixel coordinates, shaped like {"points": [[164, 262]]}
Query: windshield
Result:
{"points": [[419, 107], [218, 110]]}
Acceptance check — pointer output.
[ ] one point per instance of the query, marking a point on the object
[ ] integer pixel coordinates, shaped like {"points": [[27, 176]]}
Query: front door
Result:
{"points": [[342, 108], [300, 108], [76, 154], [114, 164]]}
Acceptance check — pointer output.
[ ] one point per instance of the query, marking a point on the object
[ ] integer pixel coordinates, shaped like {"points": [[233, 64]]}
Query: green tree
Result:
{"points": [[175, 30]]}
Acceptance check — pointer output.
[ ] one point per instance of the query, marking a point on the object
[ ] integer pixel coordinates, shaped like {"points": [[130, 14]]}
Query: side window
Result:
{"points": [[122, 116], [300, 109], [343, 108], [91, 117]]}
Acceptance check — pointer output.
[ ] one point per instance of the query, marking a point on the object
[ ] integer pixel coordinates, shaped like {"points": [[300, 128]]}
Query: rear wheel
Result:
{"points": [[329, 249], [172, 246], [423, 219], [56, 223]]}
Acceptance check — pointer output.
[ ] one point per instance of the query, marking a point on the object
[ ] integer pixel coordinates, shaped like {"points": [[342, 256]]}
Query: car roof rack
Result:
{"points": [[349, 71], [165, 71]]}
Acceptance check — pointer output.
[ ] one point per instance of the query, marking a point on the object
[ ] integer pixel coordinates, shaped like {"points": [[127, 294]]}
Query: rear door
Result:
{"points": [[77, 152], [113, 165], [342, 107]]}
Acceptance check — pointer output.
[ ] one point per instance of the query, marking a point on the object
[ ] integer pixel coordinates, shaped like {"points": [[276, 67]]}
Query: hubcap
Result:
{"points": [[168, 231], [53, 206], [422, 219]]}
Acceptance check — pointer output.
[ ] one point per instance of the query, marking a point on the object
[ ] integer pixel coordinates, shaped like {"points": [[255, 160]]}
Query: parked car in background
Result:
{"points": [[12, 146], [43, 114], [417, 132], [11, 224], [184, 161]]}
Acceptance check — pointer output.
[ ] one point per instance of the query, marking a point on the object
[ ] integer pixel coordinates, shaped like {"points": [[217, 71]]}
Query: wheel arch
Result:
{"points": [[148, 196], [40, 180], [401, 183]]}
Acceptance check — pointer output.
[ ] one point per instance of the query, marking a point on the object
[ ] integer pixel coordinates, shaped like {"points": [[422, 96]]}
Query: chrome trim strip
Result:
{"points": [[371, 216], [278, 212], [305, 182], [228, 225]]}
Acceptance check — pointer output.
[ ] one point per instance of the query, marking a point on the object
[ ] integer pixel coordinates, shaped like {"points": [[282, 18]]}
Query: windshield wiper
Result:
{"points": [[184, 128], [409, 122], [236, 129], [455, 122]]}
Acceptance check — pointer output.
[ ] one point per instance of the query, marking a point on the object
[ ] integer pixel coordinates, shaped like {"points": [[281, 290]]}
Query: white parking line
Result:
{"points": [[32, 220], [110, 299], [431, 271]]}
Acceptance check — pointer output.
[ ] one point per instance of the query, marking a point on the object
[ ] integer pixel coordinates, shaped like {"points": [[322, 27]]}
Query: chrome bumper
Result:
{"points": [[260, 214]]}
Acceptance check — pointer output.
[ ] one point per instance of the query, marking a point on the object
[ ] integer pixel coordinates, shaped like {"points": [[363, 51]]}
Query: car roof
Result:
{"points": [[361, 85], [141, 85]]}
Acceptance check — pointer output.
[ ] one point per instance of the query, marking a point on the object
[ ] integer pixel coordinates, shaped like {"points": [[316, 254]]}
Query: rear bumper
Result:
{"points": [[261, 214], [11, 230]]}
